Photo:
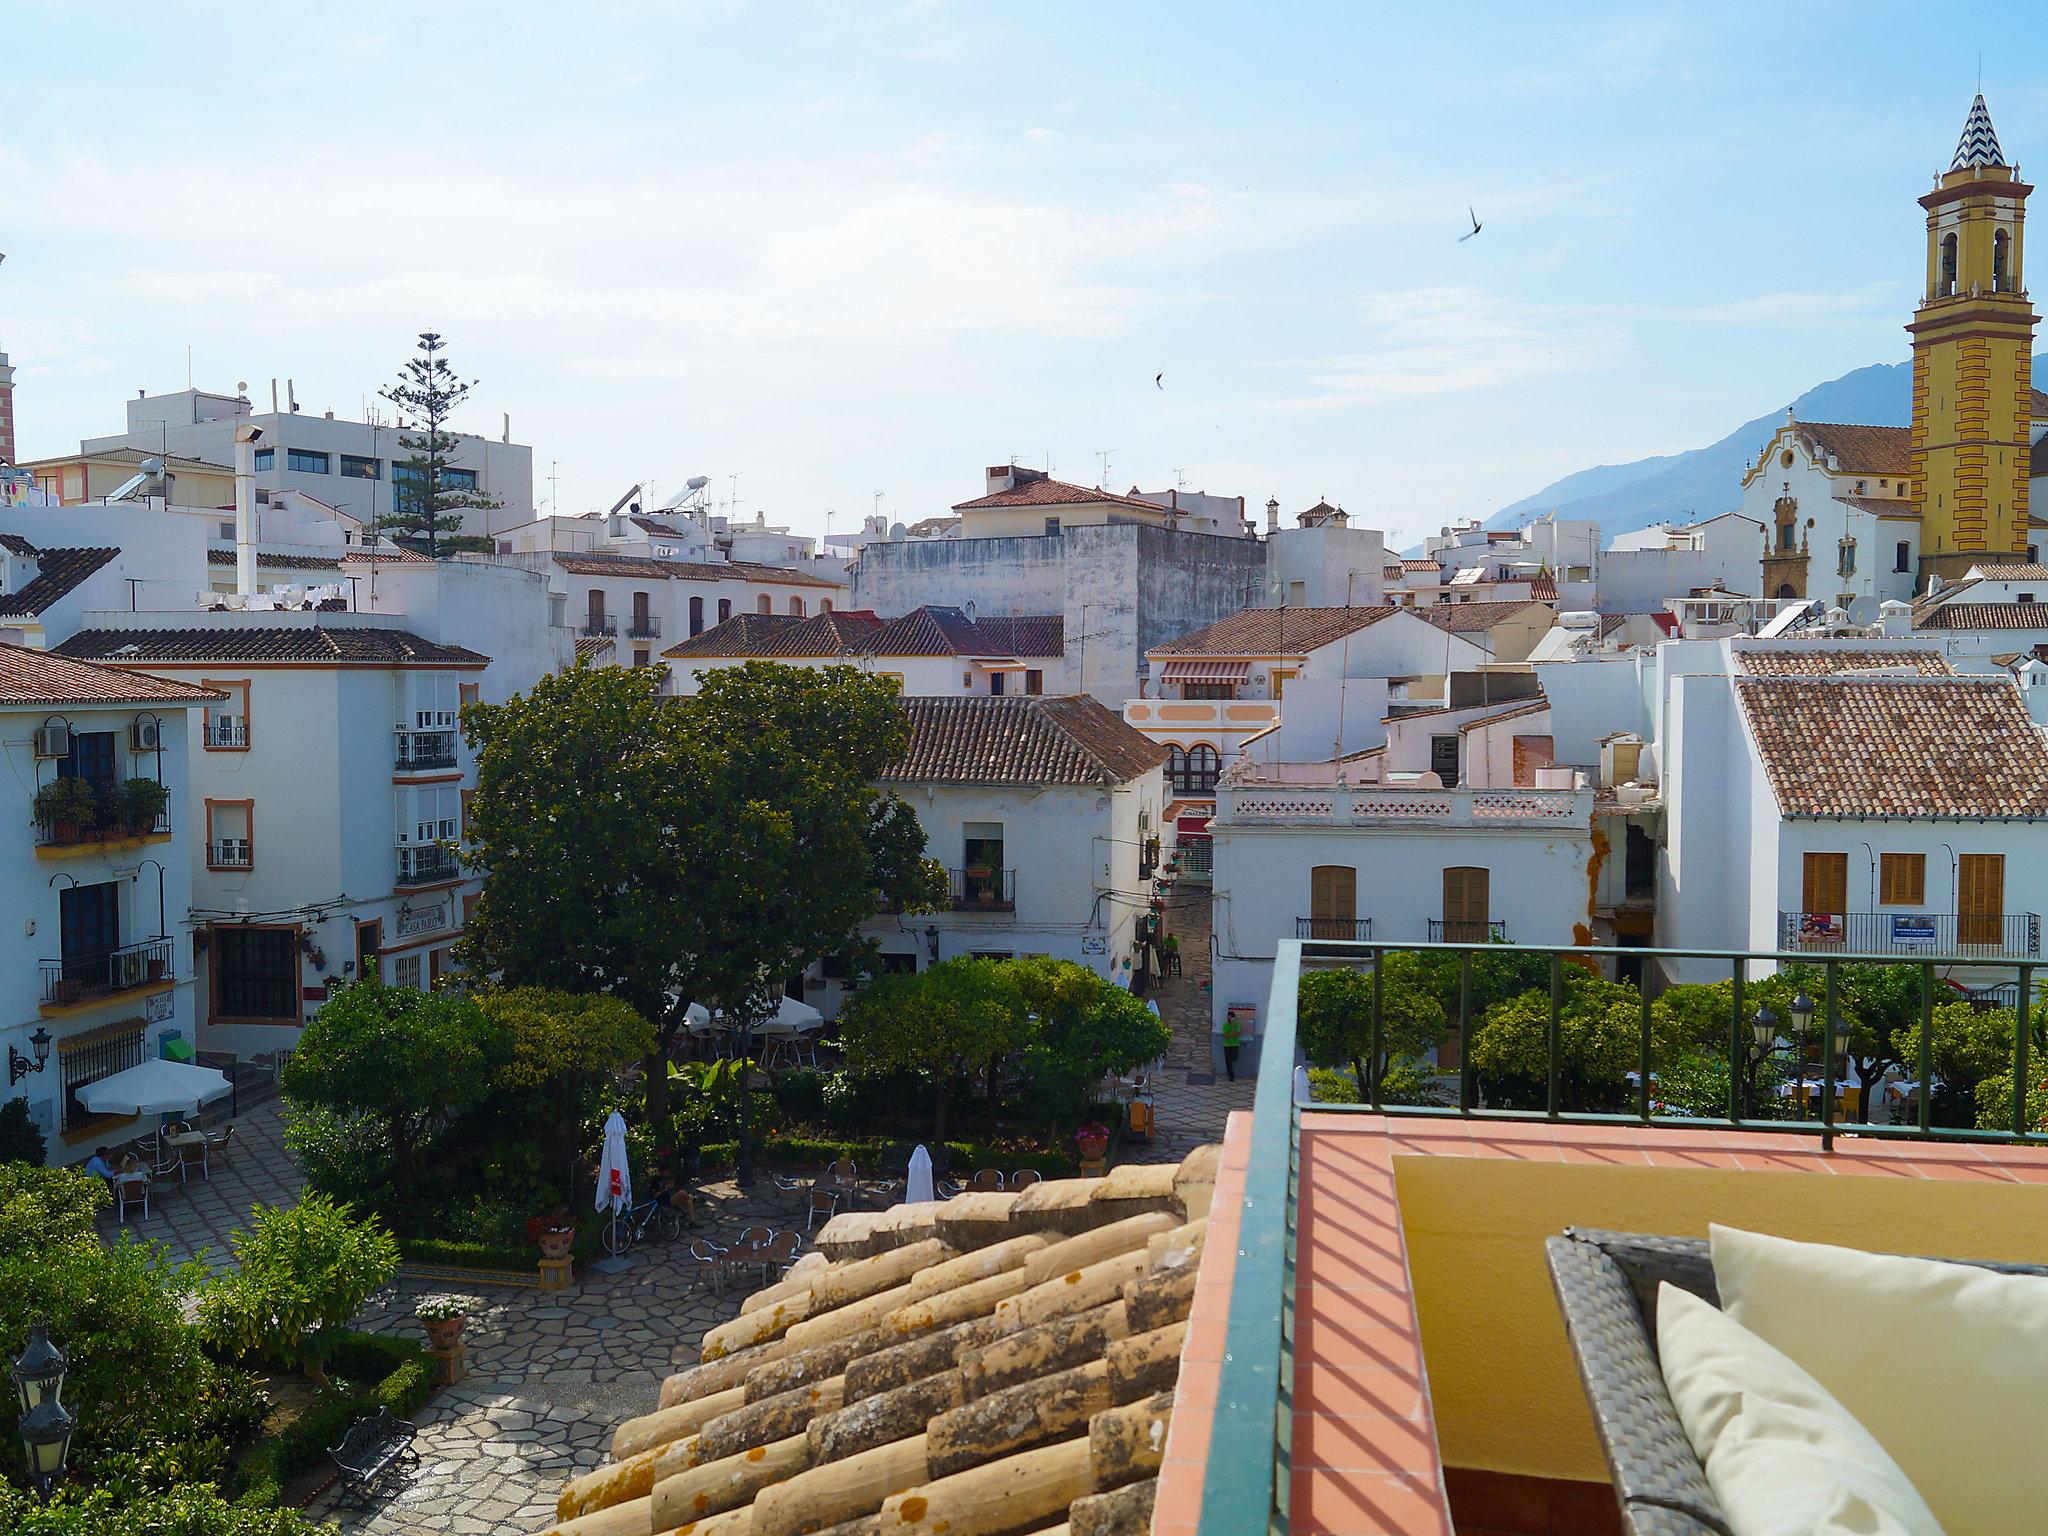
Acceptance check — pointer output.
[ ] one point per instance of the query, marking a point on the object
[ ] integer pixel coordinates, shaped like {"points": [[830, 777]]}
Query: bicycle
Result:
{"points": [[654, 1215]]}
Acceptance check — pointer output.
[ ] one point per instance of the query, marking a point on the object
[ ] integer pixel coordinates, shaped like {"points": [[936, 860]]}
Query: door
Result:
{"points": [[1466, 893], [1443, 760], [1824, 886], [1332, 902], [89, 924], [91, 758], [1980, 898], [640, 612], [596, 611]]}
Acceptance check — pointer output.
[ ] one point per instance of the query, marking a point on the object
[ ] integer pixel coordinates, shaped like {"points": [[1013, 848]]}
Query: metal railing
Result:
{"points": [[648, 628], [230, 853], [227, 733], [594, 627], [1254, 1411], [2007, 935], [420, 750], [1352, 928], [1452, 930], [105, 827], [427, 864], [101, 973], [981, 890]]}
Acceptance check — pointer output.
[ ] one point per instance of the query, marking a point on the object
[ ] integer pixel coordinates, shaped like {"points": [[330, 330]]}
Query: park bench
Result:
{"points": [[372, 1446]]}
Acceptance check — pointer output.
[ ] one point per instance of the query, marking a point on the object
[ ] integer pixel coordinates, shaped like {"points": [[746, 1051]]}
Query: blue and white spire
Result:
{"points": [[1979, 144]]}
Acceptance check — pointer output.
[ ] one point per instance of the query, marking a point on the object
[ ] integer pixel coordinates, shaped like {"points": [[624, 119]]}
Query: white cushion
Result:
{"points": [[1783, 1458], [1945, 1364]]}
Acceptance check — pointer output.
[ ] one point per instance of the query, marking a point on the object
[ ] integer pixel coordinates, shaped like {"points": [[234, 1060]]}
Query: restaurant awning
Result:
{"points": [[1000, 664], [1204, 670]]}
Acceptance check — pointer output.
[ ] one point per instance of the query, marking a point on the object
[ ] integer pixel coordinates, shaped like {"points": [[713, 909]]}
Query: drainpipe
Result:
{"points": [[246, 437]]}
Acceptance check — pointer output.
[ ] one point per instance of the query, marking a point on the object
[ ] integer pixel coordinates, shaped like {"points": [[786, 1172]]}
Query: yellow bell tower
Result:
{"points": [[1973, 347]]}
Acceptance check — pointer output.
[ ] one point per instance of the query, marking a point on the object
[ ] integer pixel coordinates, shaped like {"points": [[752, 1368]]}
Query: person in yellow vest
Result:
{"points": [[1233, 1042]]}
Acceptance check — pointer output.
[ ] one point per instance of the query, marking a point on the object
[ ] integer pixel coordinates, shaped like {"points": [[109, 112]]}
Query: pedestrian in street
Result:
{"points": [[1233, 1042]]}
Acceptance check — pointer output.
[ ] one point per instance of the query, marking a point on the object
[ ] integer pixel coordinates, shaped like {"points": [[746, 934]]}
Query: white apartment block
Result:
{"points": [[930, 652]]}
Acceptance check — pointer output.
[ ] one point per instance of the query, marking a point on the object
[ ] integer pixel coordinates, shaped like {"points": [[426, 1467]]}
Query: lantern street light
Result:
{"points": [[1842, 1032], [1802, 1011], [45, 1425], [1763, 1026]]}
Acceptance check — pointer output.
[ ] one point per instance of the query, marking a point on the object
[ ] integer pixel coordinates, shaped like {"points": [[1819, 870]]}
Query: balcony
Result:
{"points": [[226, 735], [427, 864], [2007, 936], [230, 853], [1452, 930], [981, 890], [644, 628], [607, 628], [107, 831], [77, 980], [1355, 929], [1274, 801], [422, 751], [1175, 718]]}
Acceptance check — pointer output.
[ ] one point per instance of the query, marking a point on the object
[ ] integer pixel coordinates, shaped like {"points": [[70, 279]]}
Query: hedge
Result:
{"points": [[405, 1378], [517, 1258], [967, 1157]]}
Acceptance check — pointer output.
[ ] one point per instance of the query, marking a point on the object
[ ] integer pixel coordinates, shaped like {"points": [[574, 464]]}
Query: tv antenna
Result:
{"points": [[1102, 472]]}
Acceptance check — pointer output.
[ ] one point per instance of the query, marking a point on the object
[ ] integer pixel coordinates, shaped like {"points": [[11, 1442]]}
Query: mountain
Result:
{"points": [[1683, 487]]}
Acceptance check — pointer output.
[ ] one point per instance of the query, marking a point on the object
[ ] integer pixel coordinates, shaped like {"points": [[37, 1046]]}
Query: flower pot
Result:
{"points": [[444, 1333], [1093, 1147], [556, 1242], [66, 831], [69, 991]]}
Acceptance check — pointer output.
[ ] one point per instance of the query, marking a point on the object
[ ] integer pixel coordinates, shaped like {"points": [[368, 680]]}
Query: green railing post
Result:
{"points": [[1467, 1082], [1373, 1068], [1644, 1059], [1738, 1046], [1827, 1065], [1550, 1050], [1926, 1063], [2022, 1031]]}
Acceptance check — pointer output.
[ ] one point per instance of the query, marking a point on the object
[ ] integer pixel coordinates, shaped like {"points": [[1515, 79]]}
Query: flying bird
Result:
{"points": [[1475, 224], [1159, 379]]}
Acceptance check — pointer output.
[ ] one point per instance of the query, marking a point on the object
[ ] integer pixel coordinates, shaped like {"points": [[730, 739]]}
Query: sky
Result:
{"points": [[852, 254]]}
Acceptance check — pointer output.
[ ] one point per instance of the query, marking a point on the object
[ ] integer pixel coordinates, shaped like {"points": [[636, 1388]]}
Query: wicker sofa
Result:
{"points": [[1607, 1289]]}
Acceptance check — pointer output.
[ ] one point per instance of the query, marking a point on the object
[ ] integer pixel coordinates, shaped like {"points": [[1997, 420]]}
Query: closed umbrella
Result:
{"points": [[1303, 1093], [156, 1087], [614, 1177], [918, 1186]]}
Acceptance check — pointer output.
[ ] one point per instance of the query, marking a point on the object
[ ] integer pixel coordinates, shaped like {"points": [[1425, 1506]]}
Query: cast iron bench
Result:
{"points": [[371, 1448]]}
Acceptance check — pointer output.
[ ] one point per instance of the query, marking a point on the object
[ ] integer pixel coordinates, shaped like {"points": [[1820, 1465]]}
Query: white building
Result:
{"points": [[638, 601], [1641, 572], [1566, 550], [347, 464], [1045, 813], [931, 652], [326, 797], [1996, 612], [95, 963]]}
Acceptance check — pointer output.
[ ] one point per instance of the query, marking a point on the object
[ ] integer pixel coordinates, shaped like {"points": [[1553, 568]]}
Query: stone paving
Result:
{"points": [[1190, 1102]]}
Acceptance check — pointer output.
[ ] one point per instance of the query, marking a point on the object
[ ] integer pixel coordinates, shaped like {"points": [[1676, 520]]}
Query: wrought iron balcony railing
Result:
{"points": [[1452, 930], [230, 853], [105, 972], [2003, 936], [595, 627], [421, 750], [982, 890], [1333, 928], [648, 628], [427, 864]]}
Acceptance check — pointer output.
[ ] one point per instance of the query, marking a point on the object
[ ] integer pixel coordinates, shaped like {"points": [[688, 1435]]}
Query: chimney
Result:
{"points": [[508, 426], [1000, 477], [7, 454], [246, 438], [1273, 514]]}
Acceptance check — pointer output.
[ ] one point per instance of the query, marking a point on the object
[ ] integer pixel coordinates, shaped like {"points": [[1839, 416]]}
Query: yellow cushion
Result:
{"points": [[1783, 1457], [1946, 1365]]}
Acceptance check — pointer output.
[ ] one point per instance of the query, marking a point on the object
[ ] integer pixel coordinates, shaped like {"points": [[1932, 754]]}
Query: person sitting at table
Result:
{"points": [[98, 1165]]}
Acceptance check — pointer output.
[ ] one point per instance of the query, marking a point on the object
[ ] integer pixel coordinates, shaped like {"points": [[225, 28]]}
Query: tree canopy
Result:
{"points": [[426, 503]]}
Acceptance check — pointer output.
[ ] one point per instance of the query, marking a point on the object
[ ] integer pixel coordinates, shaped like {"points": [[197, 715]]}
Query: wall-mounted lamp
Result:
{"points": [[19, 1066], [931, 940]]}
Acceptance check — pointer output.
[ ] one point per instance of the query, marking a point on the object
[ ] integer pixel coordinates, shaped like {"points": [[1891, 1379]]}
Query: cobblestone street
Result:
{"points": [[1191, 1101]]}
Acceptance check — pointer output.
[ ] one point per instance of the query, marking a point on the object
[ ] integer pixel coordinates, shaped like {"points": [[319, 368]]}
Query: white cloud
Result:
{"points": [[1043, 135]]}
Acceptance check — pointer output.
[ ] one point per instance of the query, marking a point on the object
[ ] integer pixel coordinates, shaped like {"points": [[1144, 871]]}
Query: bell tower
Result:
{"points": [[1973, 346]]}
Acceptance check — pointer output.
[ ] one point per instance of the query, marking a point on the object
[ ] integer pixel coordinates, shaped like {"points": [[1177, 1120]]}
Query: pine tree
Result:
{"points": [[426, 511]]}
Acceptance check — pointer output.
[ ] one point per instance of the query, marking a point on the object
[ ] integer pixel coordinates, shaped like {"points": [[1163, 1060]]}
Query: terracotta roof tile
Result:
{"points": [[1471, 618], [1883, 506], [1906, 747], [2017, 571], [43, 677], [839, 633], [312, 644], [1520, 711], [266, 560], [1879, 450], [644, 568], [1038, 491], [941, 631], [1276, 631], [595, 645], [1985, 616], [1805, 660], [1021, 739], [58, 572]]}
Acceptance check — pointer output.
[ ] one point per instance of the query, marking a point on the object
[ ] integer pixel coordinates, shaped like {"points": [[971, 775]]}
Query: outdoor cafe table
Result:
{"points": [[750, 1255], [184, 1144]]}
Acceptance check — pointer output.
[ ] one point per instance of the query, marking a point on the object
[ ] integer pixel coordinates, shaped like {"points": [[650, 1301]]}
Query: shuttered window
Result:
{"points": [[1980, 897], [1825, 884], [1332, 901], [1902, 879], [1465, 905]]}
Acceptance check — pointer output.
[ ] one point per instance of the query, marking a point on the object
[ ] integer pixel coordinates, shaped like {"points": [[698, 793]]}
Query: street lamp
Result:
{"points": [[1801, 1009], [19, 1066], [1763, 1028], [1842, 1032], [45, 1426]]}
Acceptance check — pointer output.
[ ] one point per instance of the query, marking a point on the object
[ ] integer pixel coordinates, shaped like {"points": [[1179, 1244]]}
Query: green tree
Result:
{"points": [[560, 1048], [21, 1139], [1967, 1045], [186, 1511], [409, 1059], [426, 508], [302, 1271], [941, 1022], [1334, 1010], [1599, 1044], [686, 850], [1087, 1029]]}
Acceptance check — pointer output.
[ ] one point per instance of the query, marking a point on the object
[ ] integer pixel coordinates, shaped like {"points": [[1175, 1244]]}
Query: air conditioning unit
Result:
{"points": [[146, 734], [53, 741]]}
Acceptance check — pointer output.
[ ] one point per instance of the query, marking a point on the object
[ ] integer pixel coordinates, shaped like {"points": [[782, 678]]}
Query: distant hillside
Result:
{"points": [[1683, 487]]}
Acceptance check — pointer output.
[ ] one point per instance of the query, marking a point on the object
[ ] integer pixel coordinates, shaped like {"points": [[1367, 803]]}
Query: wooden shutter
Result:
{"points": [[1902, 879], [1826, 884], [1980, 897], [1465, 905], [1332, 901]]}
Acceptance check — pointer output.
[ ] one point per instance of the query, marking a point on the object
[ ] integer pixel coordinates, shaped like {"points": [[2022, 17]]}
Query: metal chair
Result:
{"points": [[823, 1200], [710, 1264], [1024, 1178], [781, 1254], [989, 1181], [222, 1142], [130, 1188]]}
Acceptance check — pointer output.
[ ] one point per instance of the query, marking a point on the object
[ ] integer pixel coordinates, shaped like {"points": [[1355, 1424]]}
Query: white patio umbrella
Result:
{"points": [[1303, 1092], [614, 1177], [155, 1087], [791, 1018], [918, 1186]]}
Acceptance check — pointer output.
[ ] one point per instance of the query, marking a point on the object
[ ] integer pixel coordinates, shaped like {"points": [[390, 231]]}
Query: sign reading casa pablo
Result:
{"points": [[414, 921]]}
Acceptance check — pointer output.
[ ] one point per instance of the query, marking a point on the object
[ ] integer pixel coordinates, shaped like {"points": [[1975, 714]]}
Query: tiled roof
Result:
{"points": [[58, 571], [15, 544], [1807, 660], [2037, 455], [1038, 491], [1882, 506], [1472, 618], [1935, 747], [1879, 450], [931, 527], [279, 562], [42, 677], [1276, 631], [1021, 739], [1533, 707], [2037, 406], [384, 552], [1006, 1356], [643, 568], [2015, 572], [595, 645], [939, 631], [1979, 142], [1543, 588], [312, 644], [1985, 616], [781, 634], [1422, 565]]}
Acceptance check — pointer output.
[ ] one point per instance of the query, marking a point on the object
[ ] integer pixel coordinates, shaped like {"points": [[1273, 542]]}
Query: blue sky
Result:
{"points": [[844, 249]]}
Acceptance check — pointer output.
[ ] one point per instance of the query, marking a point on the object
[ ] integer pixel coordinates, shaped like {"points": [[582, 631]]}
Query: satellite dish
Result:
{"points": [[697, 482], [152, 466], [241, 386]]}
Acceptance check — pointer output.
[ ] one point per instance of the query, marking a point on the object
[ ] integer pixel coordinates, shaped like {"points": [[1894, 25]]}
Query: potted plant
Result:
{"points": [[65, 805], [141, 802], [1093, 1140], [443, 1317]]}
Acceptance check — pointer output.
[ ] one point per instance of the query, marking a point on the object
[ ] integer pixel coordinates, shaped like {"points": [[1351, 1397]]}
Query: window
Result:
{"points": [[1980, 897], [824, 605], [967, 681], [1281, 677], [1443, 760], [2033, 554], [558, 610], [1297, 594], [640, 655], [724, 609], [1824, 883], [230, 838], [1193, 770], [1902, 879], [305, 461], [796, 607], [266, 458], [227, 530], [1859, 487], [1465, 905], [764, 604], [1052, 527], [369, 941], [1785, 536], [434, 699], [86, 1058], [1845, 558], [995, 684], [982, 872], [458, 479], [593, 612], [1034, 680], [467, 694], [89, 929], [1208, 690], [255, 973], [2001, 244], [355, 467], [1333, 902], [406, 972], [405, 484], [2026, 597], [1902, 559], [226, 727], [696, 615], [1945, 282], [429, 813]]}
